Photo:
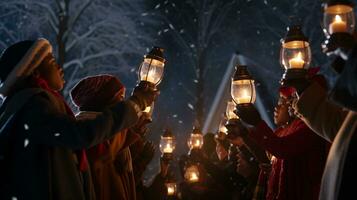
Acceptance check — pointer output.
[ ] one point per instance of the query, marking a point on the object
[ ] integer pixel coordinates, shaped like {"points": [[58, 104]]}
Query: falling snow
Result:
{"points": [[157, 6], [26, 127], [26, 143], [190, 106], [57, 134], [174, 116], [13, 198], [165, 30]]}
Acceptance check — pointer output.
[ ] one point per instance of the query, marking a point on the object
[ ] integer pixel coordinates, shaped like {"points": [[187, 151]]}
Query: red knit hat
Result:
{"points": [[94, 93]]}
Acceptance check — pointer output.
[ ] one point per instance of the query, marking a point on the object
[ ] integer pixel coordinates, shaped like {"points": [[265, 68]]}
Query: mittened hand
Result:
{"points": [[144, 95], [248, 114], [235, 130], [338, 44]]}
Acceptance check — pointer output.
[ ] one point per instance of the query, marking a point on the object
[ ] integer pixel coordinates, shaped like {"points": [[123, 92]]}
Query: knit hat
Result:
{"points": [[19, 60], [94, 93]]}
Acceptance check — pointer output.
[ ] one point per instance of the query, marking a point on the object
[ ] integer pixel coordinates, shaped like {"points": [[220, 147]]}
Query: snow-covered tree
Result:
{"points": [[89, 36]]}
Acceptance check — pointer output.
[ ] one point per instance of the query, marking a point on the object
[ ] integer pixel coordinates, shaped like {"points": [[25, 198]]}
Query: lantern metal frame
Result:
{"points": [[295, 42], [241, 74], [156, 53], [165, 155]]}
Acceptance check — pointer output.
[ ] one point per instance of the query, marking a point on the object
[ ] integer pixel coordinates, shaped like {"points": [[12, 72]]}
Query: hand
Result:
{"points": [[298, 84], [236, 130], [338, 44], [248, 114], [143, 95]]}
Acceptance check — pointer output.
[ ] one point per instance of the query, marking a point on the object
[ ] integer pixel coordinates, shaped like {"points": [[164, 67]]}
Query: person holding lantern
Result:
{"points": [[298, 154], [42, 148], [332, 113]]}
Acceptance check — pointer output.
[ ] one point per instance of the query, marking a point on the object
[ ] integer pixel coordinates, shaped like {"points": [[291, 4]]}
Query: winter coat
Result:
{"points": [[297, 165], [40, 160], [111, 165], [339, 126]]}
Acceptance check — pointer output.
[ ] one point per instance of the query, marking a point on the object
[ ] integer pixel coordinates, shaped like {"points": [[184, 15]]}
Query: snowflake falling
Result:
{"points": [[180, 121], [26, 127], [157, 6], [26, 142], [13, 198], [57, 134], [174, 116], [190, 106]]}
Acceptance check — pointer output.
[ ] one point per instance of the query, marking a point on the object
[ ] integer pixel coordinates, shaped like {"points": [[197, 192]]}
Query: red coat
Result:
{"points": [[298, 162]]}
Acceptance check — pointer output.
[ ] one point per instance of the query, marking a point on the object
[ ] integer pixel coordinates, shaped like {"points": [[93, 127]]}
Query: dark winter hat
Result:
{"points": [[94, 93], [19, 60]]}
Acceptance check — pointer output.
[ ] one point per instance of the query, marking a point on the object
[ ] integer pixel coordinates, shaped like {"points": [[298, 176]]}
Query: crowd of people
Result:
{"points": [[49, 152]]}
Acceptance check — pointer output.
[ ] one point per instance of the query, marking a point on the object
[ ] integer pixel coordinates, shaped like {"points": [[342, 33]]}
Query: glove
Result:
{"points": [[235, 130], [338, 44], [144, 95], [299, 84], [248, 114]]}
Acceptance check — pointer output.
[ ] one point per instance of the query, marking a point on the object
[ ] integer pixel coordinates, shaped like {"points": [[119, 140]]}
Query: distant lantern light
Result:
{"points": [[152, 68], [242, 87], [171, 188], [196, 139], [338, 17], [231, 106], [167, 145], [192, 174]]}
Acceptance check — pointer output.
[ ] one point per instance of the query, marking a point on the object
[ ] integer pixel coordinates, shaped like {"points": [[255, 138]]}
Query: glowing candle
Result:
{"points": [[147, 109], [297, 61], [338, 25], [245, 97], [171, 189], [193, 177], [168, 148]]}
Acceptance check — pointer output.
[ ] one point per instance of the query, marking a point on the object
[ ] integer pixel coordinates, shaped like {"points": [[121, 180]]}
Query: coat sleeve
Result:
{"points": [[321, 115], [44, 124], [302, 140]]}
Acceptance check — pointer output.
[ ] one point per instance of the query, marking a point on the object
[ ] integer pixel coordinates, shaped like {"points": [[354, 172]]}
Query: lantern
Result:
{"points": [[231, 106], [338, 17], [242, 88], [196, 139], [295, 53], [192, 174], [171, 188], [167, 145], [152, 68]]}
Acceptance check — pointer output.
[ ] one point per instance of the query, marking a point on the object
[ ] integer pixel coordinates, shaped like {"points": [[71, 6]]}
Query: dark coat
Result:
{"points": [[40, 161]]}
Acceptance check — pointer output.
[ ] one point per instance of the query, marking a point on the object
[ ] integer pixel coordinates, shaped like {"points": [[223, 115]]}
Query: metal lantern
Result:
{"points": [[196, 139], [167, 144], [242, 88], [192, 173], [231, 106], [295, 53], [152, 68], [338, 17]]}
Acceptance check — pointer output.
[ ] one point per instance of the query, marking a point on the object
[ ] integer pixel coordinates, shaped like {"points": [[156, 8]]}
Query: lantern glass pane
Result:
{"points": [[167, 144], [243, 91], [195, 141], [151, 70], [231, 106], [339, 18], [192, 174], [295, 55]]}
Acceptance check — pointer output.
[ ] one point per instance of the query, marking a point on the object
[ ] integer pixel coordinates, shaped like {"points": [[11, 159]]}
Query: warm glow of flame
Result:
{"points": [[193, 177], [147, 109], [297, 61], [168, 148], [170, 190], [197, 143], [338, 18]]}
